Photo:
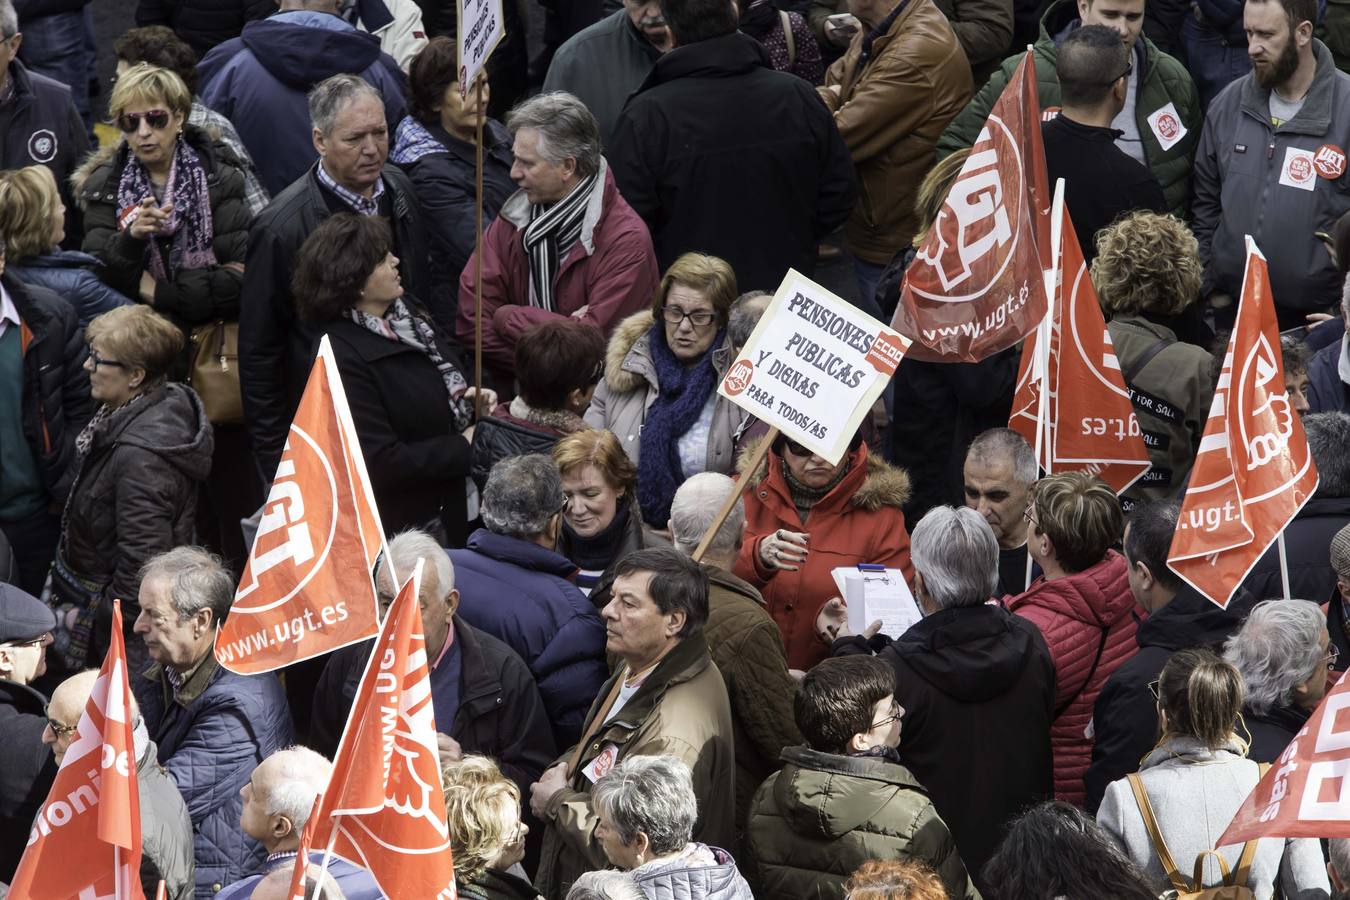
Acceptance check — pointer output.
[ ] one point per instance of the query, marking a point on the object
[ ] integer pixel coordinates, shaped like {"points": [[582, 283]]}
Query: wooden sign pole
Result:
{"points": [[478, 256], [751, 465]]}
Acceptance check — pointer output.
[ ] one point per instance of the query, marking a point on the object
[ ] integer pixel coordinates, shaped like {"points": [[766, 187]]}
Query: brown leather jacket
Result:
{"points": [[890, 112]]}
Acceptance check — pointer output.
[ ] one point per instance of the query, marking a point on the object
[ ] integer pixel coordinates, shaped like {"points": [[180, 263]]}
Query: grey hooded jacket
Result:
{"points": [[699, 872]]}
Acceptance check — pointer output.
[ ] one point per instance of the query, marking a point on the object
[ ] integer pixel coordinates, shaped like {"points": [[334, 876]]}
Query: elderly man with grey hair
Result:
{"points": [[515, 587], [482, 693], [565, 245], [350, 133], [1283, 653], [743, 639], [212, 726], [997, 477], [977, 684]]}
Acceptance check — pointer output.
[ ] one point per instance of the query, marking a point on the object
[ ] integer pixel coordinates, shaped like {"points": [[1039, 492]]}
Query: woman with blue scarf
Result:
{"points": [[659, 393]]}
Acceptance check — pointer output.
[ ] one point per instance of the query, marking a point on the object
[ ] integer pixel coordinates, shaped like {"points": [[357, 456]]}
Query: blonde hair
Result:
{"points": [[474, 790], [1081, 516], [28, 205], [593, 447], [1146, 262], [138, 337], [1202, 696], [933, 191], [706, 274], [144, 83]]}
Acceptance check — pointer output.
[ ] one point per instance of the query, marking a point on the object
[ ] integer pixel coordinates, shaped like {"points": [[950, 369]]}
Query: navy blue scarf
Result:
{"points": [[683, 391]]}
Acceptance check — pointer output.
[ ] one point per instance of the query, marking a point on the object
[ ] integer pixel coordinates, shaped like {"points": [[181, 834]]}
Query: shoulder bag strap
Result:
{"points": [[1133, 371], [1096, 660], [786, 22], [1155, 834], [1244, 867]]}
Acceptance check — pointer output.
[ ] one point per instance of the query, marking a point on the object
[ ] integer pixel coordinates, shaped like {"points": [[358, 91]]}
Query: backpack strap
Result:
{"points": [[1133, 371], [1155, 834], [1227, 879], [1244, 867], [786, 21]]}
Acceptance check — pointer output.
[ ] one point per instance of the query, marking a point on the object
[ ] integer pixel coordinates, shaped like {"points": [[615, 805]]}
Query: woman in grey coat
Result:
{"points": [[1196, 778]]}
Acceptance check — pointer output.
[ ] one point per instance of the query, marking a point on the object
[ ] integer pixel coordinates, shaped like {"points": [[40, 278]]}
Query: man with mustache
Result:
{"points": [[606, 62], [1272, 164]]}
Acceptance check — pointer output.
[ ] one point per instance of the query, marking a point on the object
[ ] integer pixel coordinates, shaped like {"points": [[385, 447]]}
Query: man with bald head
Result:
{"points": [[278, 799], [166, 828]]}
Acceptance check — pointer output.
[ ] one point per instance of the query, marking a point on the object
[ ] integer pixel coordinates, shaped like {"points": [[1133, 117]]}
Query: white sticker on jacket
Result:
{"points": [[603, 762], [1166, 125], [1298, 171]]}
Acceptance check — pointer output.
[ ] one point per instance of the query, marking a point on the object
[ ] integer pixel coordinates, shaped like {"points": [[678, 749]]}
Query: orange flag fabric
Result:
{"points": [[1089, 421], [384, 809], [302, 853], [86, 842], [1253, 472], [309, 586], [977, 286], [1305, 793]]}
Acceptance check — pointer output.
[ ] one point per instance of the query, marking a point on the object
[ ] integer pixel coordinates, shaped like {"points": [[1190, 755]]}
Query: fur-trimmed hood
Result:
{"points": [[213, 153], [884, 484], [628, 361]]}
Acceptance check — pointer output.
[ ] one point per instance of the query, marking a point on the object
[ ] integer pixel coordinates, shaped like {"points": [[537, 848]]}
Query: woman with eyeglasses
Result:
{"points": [[482, 811], [601, 524], [1284, 654], [805, 517], [659, 394], [1195, 780], [140, 463]]}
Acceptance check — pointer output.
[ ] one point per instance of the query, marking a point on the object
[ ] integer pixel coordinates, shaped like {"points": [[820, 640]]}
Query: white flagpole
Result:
{"points": [[1284, 565], [1044, 331]]}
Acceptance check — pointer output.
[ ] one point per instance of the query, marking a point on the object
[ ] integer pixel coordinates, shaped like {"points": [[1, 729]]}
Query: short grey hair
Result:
{"points": [[330, 96], [1004, 443], [651, 795], [9, 20], [1278, 648], [606, 884], [695, 506], [1328, 437], [301, 776], [521, 495], [956, 553], [407, 547], [746, 311], [566, 128], [197, 580]]}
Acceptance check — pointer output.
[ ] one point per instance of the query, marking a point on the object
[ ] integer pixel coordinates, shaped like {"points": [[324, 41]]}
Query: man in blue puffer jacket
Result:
{"points": [[211, 725], [516, 588]]}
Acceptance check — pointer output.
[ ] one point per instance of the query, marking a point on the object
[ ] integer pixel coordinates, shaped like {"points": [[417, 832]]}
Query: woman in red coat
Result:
{"points": [[1082, 605], [804, 518]]}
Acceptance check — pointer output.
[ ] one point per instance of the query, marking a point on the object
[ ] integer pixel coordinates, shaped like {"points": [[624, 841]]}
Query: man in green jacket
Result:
{"points": [[844, 798], [1161, 121]]}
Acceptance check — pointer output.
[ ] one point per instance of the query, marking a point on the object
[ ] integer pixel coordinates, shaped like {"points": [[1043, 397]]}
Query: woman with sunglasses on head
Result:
{"points": [[140, 462], [805, 517], [659, 394], [1194, 781]]}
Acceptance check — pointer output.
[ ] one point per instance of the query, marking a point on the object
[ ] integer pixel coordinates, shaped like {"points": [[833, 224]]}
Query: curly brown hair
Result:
{"points": [[333, 264], [1146, 263], [894, 879]]}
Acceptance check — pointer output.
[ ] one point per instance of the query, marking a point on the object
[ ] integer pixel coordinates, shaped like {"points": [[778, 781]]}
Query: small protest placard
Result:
{"points": [[813, 366], [480, 30]]}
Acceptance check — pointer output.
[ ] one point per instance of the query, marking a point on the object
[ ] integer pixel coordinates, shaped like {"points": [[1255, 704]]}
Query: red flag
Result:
{"points": [[977, 285], [309, 585], [384, 809], [302, 854], [1306, 792], [86, 842], [1253, 472], [1089, 422]]}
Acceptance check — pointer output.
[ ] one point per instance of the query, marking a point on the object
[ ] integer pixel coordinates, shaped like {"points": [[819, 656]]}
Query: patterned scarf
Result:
{"points": [[189, 226], [550, 235], [401, 325], [804, 497]]}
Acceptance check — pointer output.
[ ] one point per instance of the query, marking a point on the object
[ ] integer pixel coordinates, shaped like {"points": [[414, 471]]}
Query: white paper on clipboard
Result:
{"points": [[877, 595]]}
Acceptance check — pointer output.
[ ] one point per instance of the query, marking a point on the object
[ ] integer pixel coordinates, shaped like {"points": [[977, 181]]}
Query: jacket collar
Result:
{"points": [[685, 660], [31, 314], [198, 680], [477, 678], [875, 41], [628, 358], [871, 483], [23, 698], [516, 210], [397, 199], [1315, 116], [721, 57], [497, 143], [517, 552], [97, 177], [724, 579], [873, 768], [1287, 717], [1191, 750]]}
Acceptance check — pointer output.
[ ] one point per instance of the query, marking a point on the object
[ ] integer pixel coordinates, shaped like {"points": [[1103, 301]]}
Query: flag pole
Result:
{"points": [[1284, 565], [1044, 334], [328, 851], [478, 256]]}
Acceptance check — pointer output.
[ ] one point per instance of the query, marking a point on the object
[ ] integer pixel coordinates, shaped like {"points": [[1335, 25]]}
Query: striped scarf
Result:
{"points": [[551, 233]]}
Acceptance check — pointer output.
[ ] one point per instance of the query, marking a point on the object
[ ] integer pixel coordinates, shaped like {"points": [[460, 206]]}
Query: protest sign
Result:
{"points": [[309, 584], [1253, 472], [481, 28], [976, 285], [813, 366]]}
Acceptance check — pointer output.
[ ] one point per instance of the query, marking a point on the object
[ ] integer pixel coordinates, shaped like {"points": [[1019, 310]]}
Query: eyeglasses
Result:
{"points": [[796, 449], [97, 360], [1332, 655], [57, 728], [897, 712], [1029, 516], [1154, 690], [35, 642], [1129, 69], [158, 119], [701, 318]]}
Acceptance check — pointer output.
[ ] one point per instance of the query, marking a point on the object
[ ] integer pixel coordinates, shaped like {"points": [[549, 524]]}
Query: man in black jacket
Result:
{"points": [[44, 403], [1124, 726], [26, 764], [977, 684], [720, 154], [275, 349]]}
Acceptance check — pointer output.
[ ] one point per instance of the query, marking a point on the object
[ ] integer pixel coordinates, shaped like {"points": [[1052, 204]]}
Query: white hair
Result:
{"points": [[1278, 648], [651, 795], [299, 777], [1004, 443], [1339, 851], [695, 506], [606, 885], [9, 20], [956, 553], [407, 547]]}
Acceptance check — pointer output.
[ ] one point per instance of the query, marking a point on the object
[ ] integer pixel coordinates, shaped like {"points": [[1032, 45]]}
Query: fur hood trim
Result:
{"points": [[621, 379], [885, 484]]}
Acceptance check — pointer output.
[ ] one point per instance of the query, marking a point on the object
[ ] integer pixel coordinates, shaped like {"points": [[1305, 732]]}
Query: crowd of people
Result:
{"points": [[619, 714]]}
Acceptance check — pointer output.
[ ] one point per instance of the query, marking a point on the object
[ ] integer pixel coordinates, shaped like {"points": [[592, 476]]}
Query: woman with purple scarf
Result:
{"points": [[659, 393]]}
